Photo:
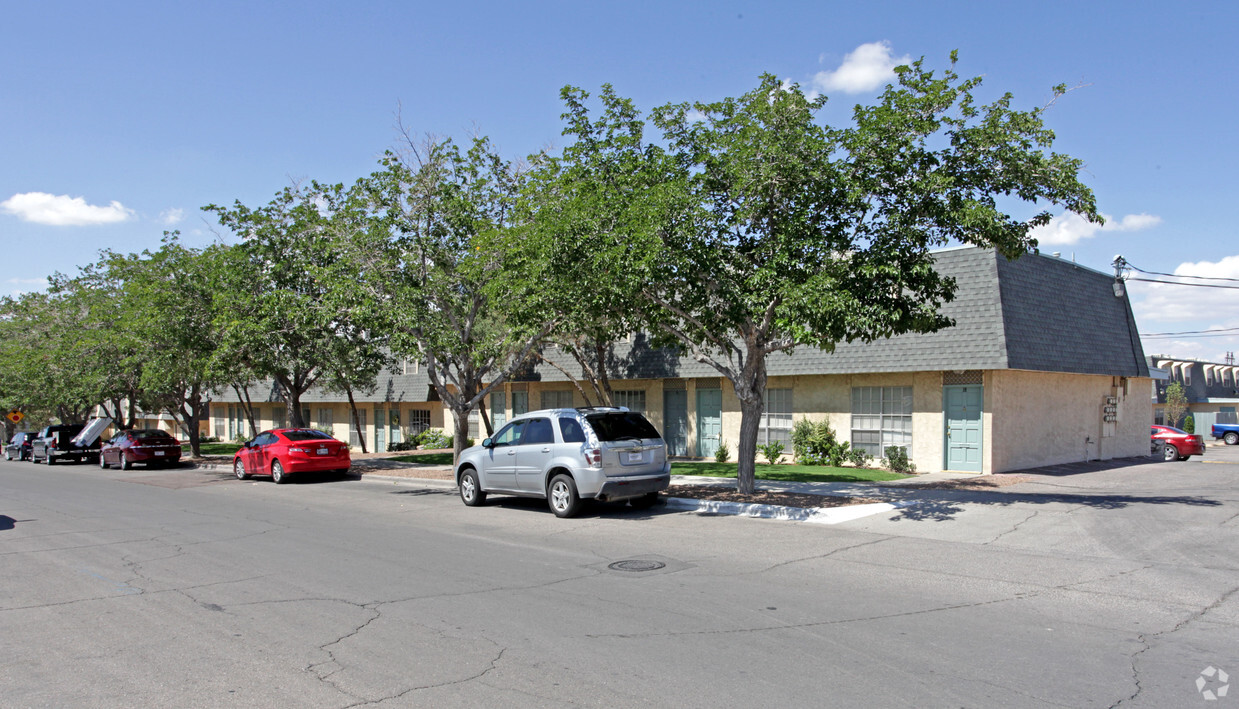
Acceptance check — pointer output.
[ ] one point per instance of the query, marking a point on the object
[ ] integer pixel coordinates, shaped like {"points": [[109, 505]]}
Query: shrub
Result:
{"points": [[469, 443], [772, 450], [1189, 424], [208, 439], [433, 438], [859, 457], [402, 446], [814, 443], [722, 454], [896, 460]]}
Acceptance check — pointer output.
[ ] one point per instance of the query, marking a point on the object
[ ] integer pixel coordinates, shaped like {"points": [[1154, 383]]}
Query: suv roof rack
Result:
{"points": [[601, 408]]}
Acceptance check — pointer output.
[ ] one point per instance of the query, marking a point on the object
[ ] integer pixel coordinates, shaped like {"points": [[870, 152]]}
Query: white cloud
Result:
{"points": [[63, 210], [1162, 308], [1071, 228], [169, 217], [864, 69]]}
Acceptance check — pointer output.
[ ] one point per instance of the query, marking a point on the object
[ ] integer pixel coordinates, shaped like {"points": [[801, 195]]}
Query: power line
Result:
{"points": [[1197, 285], [1177, 275]]}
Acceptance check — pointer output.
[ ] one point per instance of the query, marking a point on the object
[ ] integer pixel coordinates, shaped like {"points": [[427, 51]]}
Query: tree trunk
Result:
{"points": [[750, 423], [461, 433], [352, 407], [490, 431], [600, 352], [295, 419]]}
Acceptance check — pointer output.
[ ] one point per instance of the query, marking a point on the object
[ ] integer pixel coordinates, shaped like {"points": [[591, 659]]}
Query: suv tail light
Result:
{"points": [[593, 456]]}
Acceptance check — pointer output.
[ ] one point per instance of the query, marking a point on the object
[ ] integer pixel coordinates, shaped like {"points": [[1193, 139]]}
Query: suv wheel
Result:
{"points": [[471, 492], [562, 496]]}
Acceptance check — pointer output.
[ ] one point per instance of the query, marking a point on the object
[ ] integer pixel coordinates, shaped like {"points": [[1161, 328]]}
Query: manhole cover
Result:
{"points": [[636, 565]]}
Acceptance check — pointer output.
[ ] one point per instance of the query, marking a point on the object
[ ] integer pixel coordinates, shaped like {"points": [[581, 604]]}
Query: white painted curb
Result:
{"points": [[816, 515]]}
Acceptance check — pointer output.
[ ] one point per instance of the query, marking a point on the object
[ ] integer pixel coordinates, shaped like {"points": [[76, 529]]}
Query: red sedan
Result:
{"points": [[1180, 445], [149, 446], [284, 451]]}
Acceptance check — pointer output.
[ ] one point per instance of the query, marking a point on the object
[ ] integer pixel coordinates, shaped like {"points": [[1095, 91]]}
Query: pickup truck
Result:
{"points": [[72, 441], [1228, 432]]}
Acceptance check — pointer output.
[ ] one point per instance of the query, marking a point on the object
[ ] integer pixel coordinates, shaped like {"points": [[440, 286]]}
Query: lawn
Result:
{"points": [[426, 458], [788, 473]]}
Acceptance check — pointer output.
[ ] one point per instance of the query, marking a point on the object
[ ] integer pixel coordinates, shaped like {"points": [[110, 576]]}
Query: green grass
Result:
{"points": [[426, 458], [788, 473]]}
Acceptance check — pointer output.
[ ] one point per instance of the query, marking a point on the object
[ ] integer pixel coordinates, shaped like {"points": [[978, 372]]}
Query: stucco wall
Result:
{"points": [[1041, 418]]}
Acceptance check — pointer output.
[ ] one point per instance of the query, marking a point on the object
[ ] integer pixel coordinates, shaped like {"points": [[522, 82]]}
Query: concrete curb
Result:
{"points": [[813, 515]]}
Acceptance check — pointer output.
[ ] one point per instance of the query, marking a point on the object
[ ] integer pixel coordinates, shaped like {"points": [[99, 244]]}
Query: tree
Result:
{"points": [[273, 318], [1176, 405], [773, 231], [424, 270]]}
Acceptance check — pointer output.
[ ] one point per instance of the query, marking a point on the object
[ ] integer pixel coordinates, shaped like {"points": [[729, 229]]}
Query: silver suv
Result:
{"points": [[566, 456]]}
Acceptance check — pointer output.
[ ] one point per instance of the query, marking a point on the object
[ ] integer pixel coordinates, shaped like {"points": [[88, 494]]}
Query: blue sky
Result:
{"points": [[120, 120]]}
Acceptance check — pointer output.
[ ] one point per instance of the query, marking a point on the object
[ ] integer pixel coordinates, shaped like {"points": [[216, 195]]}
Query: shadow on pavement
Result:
{"points": [[945, 508]]}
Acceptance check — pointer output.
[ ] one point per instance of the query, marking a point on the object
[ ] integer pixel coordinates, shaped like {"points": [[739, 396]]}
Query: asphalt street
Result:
{"points": [[1086, 586]]}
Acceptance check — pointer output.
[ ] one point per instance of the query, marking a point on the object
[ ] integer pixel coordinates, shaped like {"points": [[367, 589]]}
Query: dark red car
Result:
{"points": [[1180, 445], [149, 446], [285, 451]]}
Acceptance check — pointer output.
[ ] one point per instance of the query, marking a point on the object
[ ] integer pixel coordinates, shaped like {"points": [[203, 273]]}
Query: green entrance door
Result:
{"points": [[709, 421], [962, 406], [675, 421]]}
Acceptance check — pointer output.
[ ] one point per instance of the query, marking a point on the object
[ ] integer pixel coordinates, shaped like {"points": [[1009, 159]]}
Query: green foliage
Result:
{"points": [[722, 454], [772, 451], [815, 443], [1189, 424], [433, 438], [859, 457], [1176, 405], [896, 460]]}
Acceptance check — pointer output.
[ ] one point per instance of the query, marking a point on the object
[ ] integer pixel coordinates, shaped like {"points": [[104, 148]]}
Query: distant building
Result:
{"points": [[1212, 389]]}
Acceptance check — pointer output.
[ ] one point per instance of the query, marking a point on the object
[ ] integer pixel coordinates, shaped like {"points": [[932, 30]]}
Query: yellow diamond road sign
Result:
{"points": [[15, 416]]}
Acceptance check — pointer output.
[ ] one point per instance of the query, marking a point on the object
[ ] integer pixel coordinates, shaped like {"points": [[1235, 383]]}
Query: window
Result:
{"points": [[324, 419], [520, 403], [508, 436], [279, 417], [419, 421], [557, 399], [881, 417], [359, 421], [571, 431], [776, 420], [634, 400], [219, 421], [498, 409], [410, 366], [1187, 376], [538, 431], [1159, 416]]}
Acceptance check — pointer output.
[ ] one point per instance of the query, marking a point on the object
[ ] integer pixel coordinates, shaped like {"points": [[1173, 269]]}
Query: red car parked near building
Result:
{"points": [[1180, 445], [285, 451], [144, 445]]}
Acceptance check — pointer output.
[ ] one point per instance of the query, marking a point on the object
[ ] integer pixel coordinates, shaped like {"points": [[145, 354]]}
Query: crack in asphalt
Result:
{"points": [[817, 557], [494, 663], [1148, 641], [1014, 527]]}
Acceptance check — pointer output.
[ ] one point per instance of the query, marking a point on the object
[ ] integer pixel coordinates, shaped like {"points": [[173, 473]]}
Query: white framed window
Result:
{"points": [[418, 421], [279, 417], [1187, 376], [776, 420], [324, 419], [359, 421], [881, 417], [557, 399], [634, 400]]}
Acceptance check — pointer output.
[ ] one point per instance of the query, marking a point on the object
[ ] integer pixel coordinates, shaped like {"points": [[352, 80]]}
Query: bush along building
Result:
{"points": [[1211, 390], [1042, 366]]}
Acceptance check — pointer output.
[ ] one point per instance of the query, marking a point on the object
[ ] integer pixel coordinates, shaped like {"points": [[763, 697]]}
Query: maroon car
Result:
{"points": [[149, 446], [284, 451], [1180, 445]]}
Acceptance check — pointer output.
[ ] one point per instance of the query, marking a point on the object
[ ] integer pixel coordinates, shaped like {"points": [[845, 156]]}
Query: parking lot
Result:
{"points": [[1088, 585]]}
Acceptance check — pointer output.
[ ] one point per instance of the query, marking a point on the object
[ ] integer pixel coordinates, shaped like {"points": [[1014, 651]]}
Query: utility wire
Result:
{"points": [[1196, 285]]}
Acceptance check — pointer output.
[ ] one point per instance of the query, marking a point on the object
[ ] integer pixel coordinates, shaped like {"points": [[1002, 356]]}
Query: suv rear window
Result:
{"points": [[621, 426]]}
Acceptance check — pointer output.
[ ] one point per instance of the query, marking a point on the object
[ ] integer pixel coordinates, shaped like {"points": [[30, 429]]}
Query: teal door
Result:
{"points": [[380, 431], [709, 421], [675, 418], [962, 406]]}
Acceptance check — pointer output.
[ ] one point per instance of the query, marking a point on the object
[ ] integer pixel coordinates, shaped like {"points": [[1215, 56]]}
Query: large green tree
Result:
{"points": [[771, 230], [424, 268]]}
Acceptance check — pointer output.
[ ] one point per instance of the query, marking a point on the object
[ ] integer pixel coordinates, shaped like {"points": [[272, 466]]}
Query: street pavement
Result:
{"points": [[1093, 585]]}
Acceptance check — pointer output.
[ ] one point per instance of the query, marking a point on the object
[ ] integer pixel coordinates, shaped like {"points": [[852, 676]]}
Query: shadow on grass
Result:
{"points": [[788, 473]]}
